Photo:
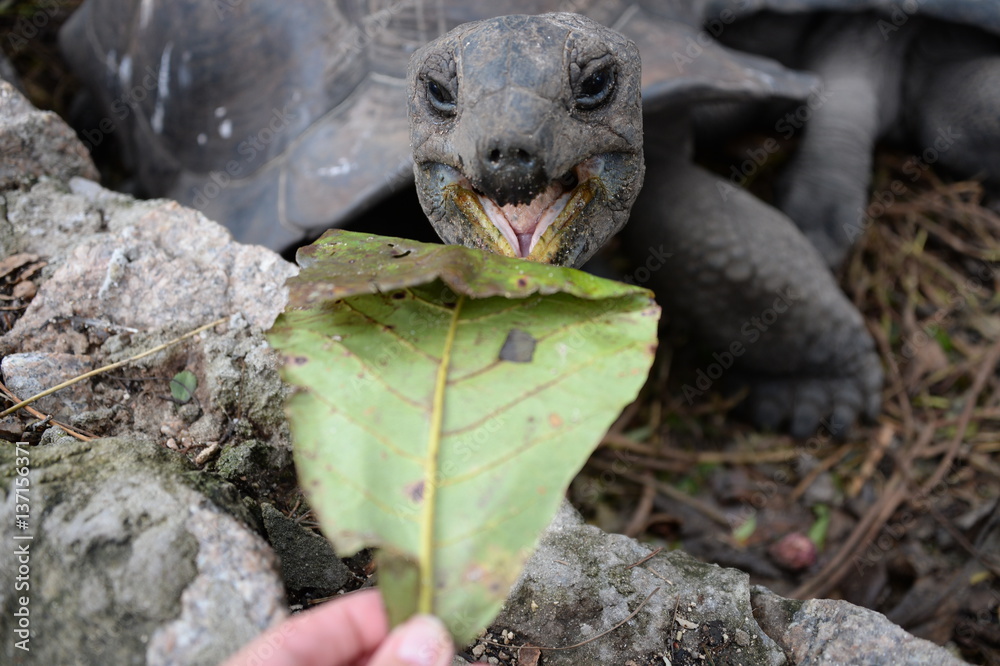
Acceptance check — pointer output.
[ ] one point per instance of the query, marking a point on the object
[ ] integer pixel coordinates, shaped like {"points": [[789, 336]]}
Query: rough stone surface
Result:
{"points": [[307, 559], [240, 462], [578, 584], [169, 266], [827, 631], [125, 276], [129, 563], [36, 143], [33, 372]]}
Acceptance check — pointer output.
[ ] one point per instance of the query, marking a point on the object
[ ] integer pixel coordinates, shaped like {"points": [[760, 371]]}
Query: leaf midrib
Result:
{"points": [[425, 603]]}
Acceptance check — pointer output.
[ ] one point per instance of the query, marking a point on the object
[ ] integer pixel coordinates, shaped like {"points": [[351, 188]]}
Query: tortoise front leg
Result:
{"points": [[758, 295], [824, 190]]}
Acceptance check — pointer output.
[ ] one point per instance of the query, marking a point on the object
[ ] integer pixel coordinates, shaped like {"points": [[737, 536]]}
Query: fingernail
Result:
{"points": [[425, 642]]}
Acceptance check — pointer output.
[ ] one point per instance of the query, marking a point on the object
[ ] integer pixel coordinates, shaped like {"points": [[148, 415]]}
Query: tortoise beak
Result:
{"points": [[534, 230]]}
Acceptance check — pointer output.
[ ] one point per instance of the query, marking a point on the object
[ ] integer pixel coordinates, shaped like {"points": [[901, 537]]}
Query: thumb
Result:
{"points": [[420, 641]]}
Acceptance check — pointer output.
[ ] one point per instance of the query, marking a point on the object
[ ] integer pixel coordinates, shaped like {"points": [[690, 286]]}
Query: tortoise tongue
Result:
{"points": [[524, 245], [523, 224]]}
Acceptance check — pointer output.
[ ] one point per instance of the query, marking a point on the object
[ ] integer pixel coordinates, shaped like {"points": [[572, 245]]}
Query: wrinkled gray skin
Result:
{"points": [[306, 102], [514, 123], [752, 289]]}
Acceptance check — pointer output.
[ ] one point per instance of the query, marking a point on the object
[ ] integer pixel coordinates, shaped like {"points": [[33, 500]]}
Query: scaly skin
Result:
{"points": [[754, 291]]}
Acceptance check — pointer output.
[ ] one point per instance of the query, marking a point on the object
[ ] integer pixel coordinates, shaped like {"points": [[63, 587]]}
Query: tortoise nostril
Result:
{"points": [[510, 170], [507, 158]]}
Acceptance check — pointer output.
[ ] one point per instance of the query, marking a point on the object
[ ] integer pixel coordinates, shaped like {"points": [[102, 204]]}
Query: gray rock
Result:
{"points": [[36, 143], [127, 276], [50, 220], [157, 264], [307, 559], [827, 631], [128, 563], [248, 464], [579, 584], [33, 372]]}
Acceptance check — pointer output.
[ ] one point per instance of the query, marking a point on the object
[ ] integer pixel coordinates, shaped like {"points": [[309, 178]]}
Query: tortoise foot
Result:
{"points": [[810, 405]]}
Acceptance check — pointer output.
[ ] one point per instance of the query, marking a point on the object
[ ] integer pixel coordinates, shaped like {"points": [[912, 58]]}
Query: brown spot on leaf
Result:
{"points": [[519, 347], [415, 491], [296, 360], [522, 282], [555, 420]]}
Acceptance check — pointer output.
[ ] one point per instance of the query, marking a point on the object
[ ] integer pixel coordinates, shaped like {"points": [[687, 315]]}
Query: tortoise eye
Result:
{"points": [[596, 87], [440, 98]]}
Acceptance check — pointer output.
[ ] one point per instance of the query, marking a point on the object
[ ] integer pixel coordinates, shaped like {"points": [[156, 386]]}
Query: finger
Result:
{"points": [[420, 641], [337, 633]]}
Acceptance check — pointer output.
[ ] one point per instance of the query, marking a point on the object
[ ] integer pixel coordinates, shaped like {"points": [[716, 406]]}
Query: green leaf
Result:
{"points": [[820, 528], [413, 435], [343, 263], [183, 385], [745, 530]]}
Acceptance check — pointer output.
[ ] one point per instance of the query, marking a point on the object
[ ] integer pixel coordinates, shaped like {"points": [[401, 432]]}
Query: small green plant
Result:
{"points": [[182, 386]]}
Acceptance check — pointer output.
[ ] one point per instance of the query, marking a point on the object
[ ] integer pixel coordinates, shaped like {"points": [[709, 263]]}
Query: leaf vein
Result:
{"points": [[366, 428], [541, 387]]}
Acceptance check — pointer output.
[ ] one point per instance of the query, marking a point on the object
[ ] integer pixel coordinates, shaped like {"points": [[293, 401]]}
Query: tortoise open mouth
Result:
{"points": [[532, 230]]}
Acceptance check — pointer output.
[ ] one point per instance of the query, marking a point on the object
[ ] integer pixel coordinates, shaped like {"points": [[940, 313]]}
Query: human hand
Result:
{"points": [[349, 631]]}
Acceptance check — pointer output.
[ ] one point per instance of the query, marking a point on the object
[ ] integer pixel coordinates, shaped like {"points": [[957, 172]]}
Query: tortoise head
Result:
{"points": [[527, 135]]}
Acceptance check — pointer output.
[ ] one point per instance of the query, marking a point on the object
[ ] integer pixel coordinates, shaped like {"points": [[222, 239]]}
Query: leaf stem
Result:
{"points": [[425, 602]]}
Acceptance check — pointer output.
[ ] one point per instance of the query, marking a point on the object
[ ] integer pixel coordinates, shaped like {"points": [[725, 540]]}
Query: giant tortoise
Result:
{"points": [[283, 119]]}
